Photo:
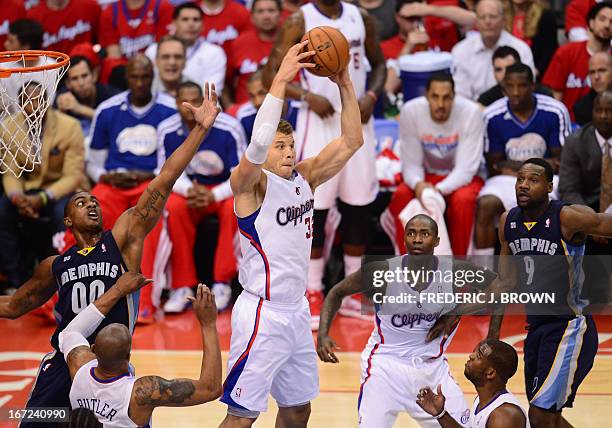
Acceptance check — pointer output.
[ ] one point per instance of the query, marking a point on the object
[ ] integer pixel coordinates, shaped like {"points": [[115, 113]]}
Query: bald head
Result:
{"points": [[113, 346], [139, 61], [600, 71], [139, 74]]}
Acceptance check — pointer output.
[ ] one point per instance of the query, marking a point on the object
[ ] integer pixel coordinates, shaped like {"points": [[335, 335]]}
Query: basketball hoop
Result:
{"points": [[28, 81]]}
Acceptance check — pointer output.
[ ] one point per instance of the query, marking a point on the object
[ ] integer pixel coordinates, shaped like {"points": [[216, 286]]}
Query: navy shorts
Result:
{"points": [[558, 356], [51, 387]]}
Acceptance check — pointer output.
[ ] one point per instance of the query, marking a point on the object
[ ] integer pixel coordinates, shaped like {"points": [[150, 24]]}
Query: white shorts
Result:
{"points": [[502, 187], [356, 184], [271, 351], [390, 386]]}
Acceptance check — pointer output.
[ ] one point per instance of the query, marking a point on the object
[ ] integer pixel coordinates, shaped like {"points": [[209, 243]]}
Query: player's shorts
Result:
{"points": [[271, 351], [389, 385], [558, 356], [51, 387], [356, 184], [502, 186]]}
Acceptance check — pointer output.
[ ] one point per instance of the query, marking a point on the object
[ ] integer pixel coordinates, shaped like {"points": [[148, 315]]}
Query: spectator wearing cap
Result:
{"points": [[204, 62], [82, 93], [568, 72], [504, 56], [600, 74]]}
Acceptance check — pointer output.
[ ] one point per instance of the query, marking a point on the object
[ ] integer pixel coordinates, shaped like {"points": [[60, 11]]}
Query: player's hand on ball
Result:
{"points": [[207, 112], [204, 306], [342, 77], [294, 61], [130, 282], [325, 349], [431, 402]]}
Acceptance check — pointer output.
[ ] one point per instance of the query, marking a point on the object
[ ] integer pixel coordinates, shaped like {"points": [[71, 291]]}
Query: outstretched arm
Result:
{"points": [[133, 226], [582, 219], [32, 294], [73, 339], [153, 391], [335, 155]]}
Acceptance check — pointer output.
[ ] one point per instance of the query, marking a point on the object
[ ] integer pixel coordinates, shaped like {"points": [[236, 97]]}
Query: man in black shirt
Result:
{"points": [[600, 73]]}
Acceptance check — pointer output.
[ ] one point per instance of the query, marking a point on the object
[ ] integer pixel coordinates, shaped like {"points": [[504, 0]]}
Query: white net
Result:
{"points": [[28, 81]]}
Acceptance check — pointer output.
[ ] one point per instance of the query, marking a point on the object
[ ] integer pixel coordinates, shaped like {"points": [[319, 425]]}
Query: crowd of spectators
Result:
{"points": [[520, 86]]}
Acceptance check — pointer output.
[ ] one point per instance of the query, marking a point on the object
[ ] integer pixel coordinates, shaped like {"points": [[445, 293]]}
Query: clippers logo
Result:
{"points": [[409, 320], [465, 417], [292, 214]]}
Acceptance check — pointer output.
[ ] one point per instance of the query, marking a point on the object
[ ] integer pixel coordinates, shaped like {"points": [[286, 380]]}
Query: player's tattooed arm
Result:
{"points": [[32, 294], [580, 220], [77, 358]]}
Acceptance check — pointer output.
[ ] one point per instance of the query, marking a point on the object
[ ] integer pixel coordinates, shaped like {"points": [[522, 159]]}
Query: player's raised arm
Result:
{"points": [[32, 294], [137, 222], [73, 339], [248, 172], [357, 282], [582, 219], [335, 155], [150, 392]]}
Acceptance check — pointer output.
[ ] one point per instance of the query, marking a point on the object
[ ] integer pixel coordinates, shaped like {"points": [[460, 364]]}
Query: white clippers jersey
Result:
{"points": [[109, 399], [479, 419], [350, 23], [401, 328], [276, 239]]}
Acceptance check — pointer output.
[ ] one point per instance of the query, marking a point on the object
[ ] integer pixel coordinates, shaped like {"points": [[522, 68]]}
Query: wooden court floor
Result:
{"points": [[172, 349]]}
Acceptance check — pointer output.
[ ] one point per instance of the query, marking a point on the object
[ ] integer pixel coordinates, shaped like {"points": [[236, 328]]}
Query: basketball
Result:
{"points": [[332, 50]]}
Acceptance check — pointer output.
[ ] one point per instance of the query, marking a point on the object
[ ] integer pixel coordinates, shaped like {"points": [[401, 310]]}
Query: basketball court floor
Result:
{"points": [[172, 348]]}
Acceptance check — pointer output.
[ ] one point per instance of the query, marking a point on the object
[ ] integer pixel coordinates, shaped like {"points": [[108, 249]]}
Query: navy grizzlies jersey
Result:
{"points": [[84, 275], [549, 263]]}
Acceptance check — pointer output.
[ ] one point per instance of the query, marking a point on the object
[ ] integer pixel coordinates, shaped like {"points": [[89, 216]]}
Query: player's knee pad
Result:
{"points": [[355, 224], [242, 413], [318, 239]]}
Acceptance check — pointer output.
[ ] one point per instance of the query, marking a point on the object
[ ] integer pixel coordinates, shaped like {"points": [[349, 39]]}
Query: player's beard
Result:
{"points": [[474, 378]]}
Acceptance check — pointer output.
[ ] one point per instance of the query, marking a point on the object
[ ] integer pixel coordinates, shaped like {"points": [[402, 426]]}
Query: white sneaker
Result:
{"points": [[223, 295], [178, 302]]}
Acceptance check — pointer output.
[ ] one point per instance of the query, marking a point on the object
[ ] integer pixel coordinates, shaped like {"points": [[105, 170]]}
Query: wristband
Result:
{"points": [[44, 197], [373, 95], [441, 414]]}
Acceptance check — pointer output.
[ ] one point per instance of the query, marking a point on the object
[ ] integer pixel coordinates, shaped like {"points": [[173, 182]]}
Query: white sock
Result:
{"points": [[315, 274], [351, 264]]}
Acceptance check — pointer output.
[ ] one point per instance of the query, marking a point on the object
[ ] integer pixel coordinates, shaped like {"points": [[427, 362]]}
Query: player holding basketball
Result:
{"points": [[489, 367], [271, 349], [318, 122], [91, 267], [101, 377], [404, 352]]}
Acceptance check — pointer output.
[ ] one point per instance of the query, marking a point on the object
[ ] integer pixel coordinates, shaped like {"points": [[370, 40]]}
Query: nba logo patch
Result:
{"points": [[547, 224], [297, 190], [512, 225], [103, 248], [238, 392]]}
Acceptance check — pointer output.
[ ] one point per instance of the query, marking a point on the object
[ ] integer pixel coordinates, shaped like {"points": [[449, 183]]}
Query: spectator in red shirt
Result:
{"points": [[250, 50], [576, 19], [128, 27], [535, 24], [224, 20], [9, 13], [66, 22], [567, 74]]}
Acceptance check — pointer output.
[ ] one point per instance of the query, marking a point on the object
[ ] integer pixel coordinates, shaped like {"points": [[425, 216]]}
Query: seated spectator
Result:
{"points": [[37, 199], [66, 22], [250, 50], [534, 23], [567, 74], [201, 191], [205, 62], [383, 12], [225, 20], [11, 11], [522, 126], [576, 21], [128, 27], [169, 65], [257, 92], [600, 75], [440, 148], [581, 170], [503, 57], [82, 93], [473, 70]]}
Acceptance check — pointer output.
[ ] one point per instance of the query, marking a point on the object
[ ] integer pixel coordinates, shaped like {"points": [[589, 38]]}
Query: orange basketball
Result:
{"points": [[332, 50]]}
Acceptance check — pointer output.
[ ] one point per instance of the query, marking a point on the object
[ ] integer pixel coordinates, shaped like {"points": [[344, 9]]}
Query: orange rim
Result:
{"points": [[10, 56]]}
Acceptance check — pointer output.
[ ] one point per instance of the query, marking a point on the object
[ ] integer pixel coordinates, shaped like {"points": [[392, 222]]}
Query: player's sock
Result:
{"points": [[483, 257], [315, 274], [351, 264]]}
